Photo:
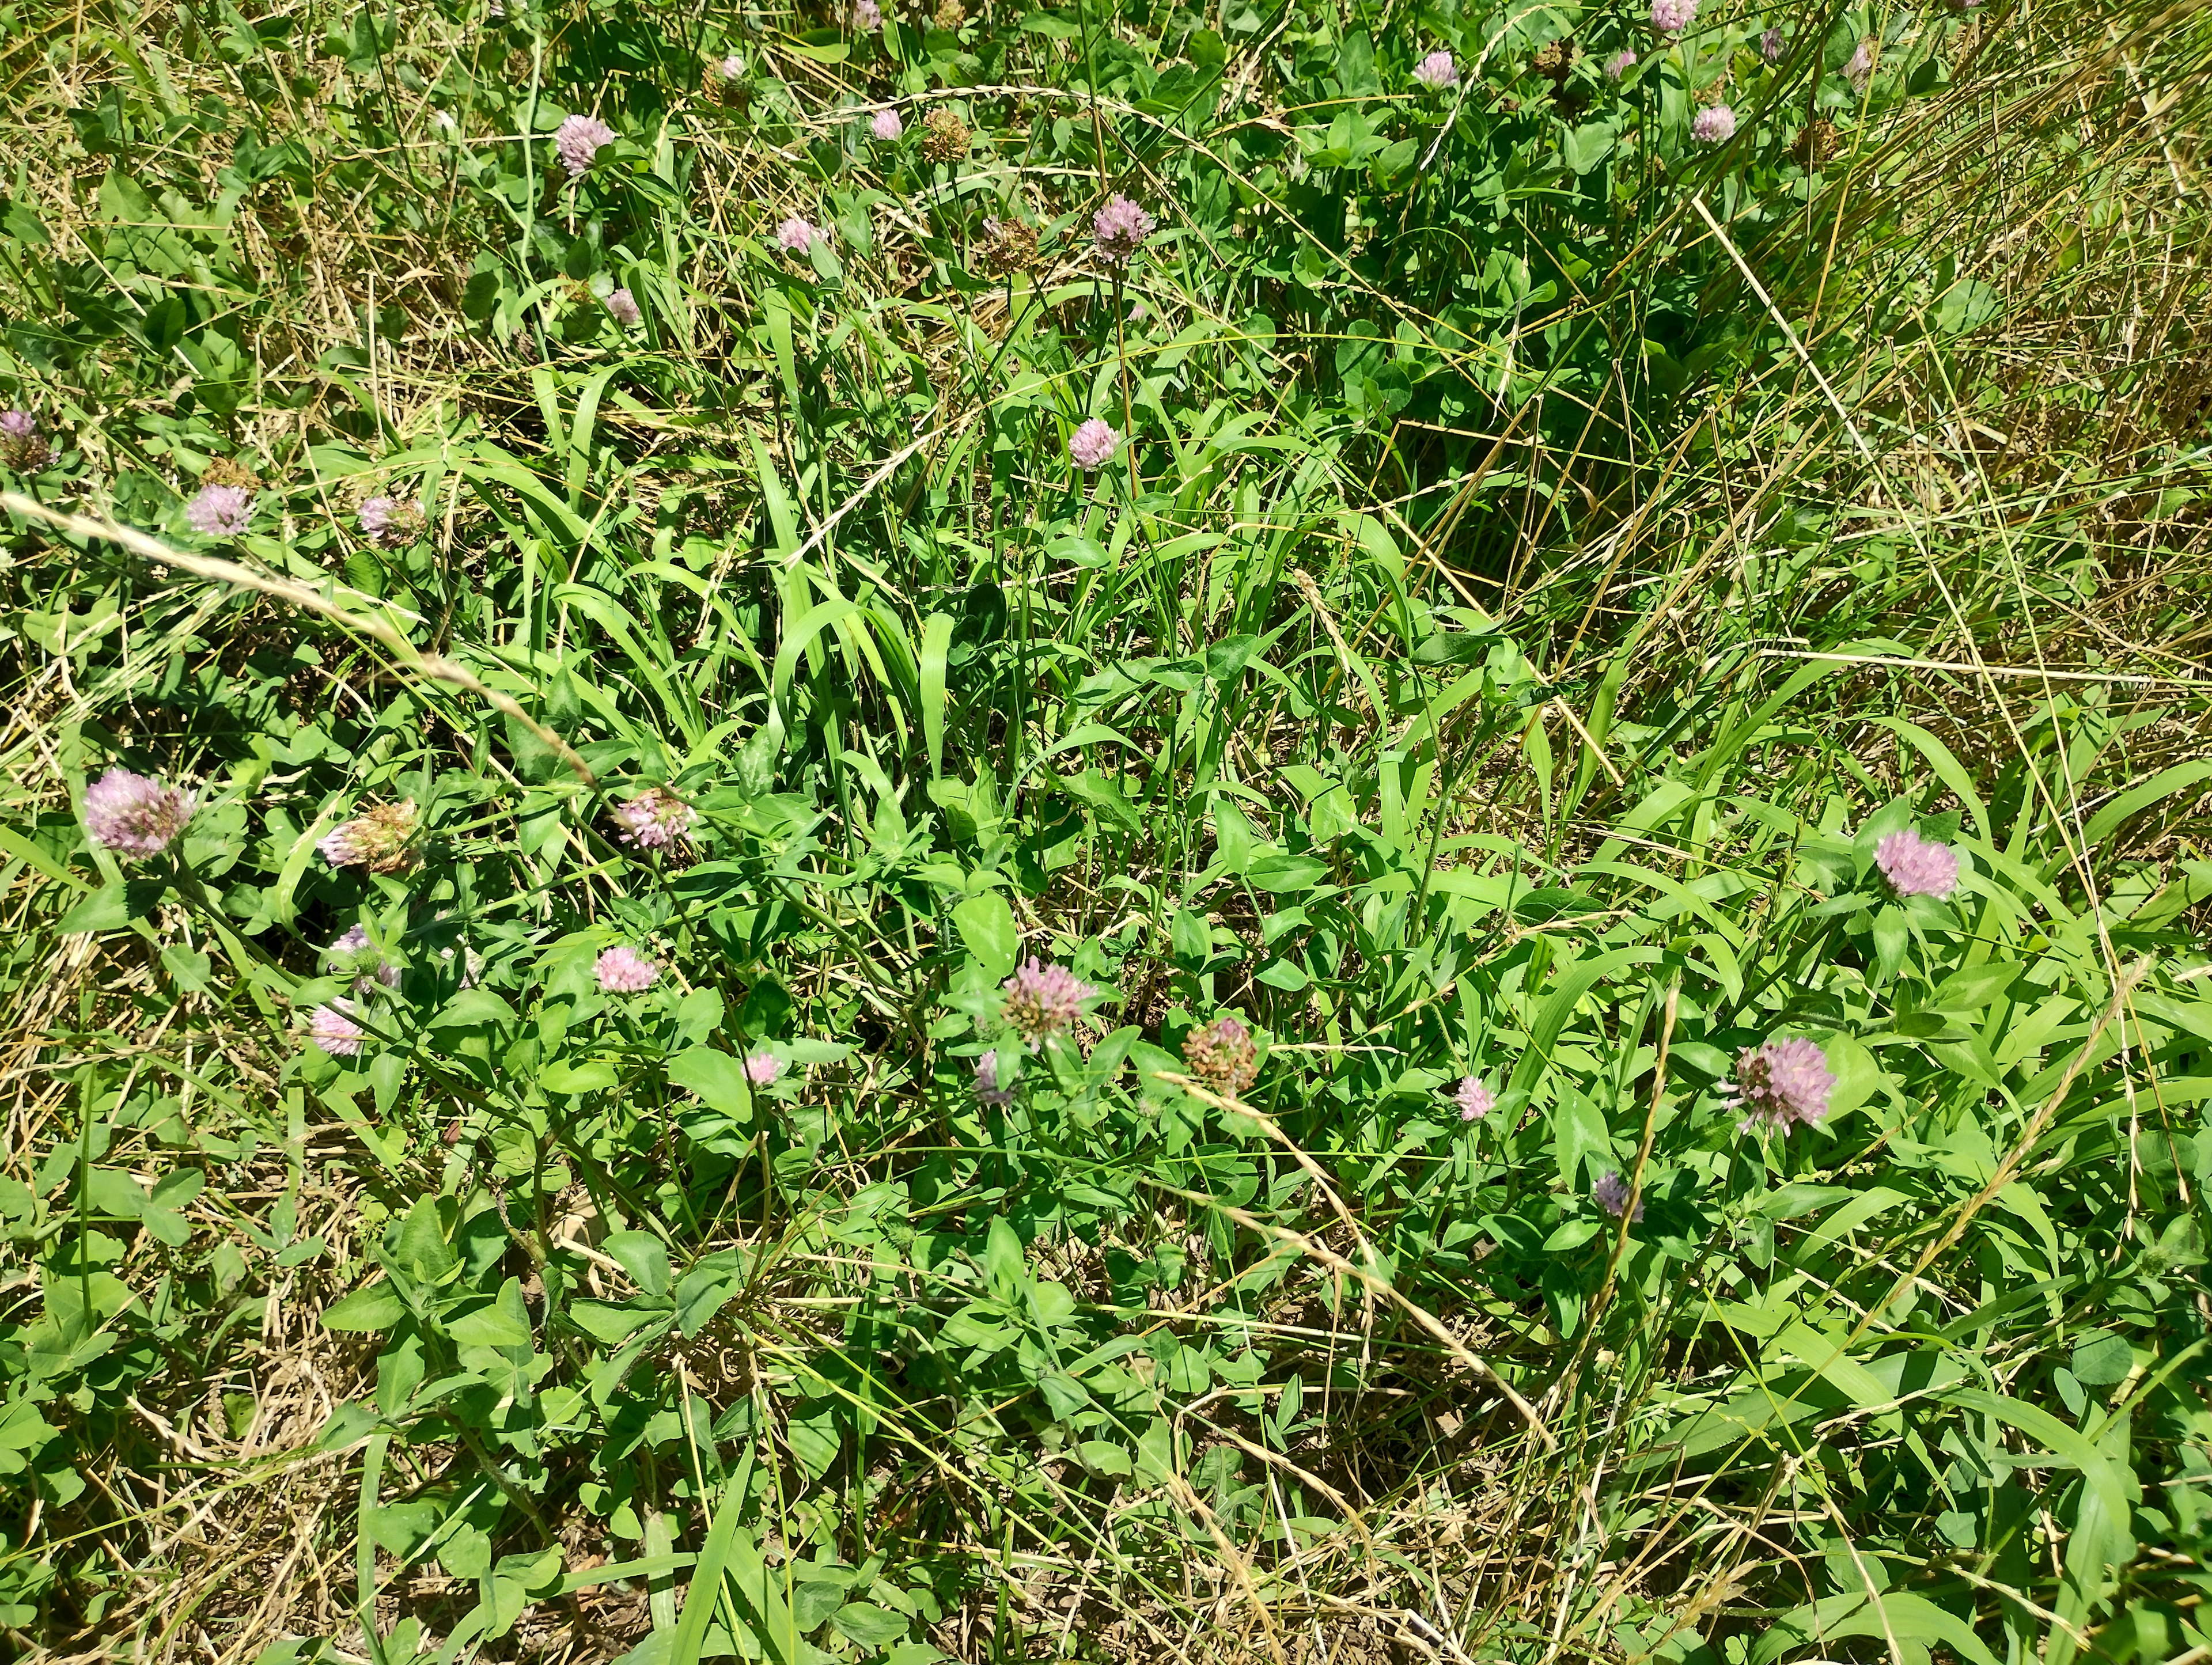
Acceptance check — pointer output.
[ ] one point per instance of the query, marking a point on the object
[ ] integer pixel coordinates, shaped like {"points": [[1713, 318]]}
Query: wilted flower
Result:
{"points": [[621, 307], [1093, 443], [867, 16], [1620, 65], [1043, 999], [949, 16], [1714, 124], [220, 511], [388, 523], [333, 1028], [987, 1090], [1672, 17], [1818, 142], [1475, 1101], [1437, 70], [1009, 246], [577, 141], [380, 838], [1120, 230], [655, 819], [762, 1067], [796, 236], [1916, 867], [133, 815], [23, 448], [1771, 46], [622, 970], [347, 953], [887, 125], [1779, 1082], [1612, 1194], [1221, 1054], [1860, 69], [944, 135]]}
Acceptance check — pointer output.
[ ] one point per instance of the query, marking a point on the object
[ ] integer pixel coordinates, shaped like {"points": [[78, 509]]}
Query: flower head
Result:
{"points": [[1916, 867], [762, 1067], [655, 819], [388, 523], [23, 448], [1120, 230], [987, 1090], [1860, 69], [1437, 70], [797, 236], [380, 838], [1620, 65], [577, 141], [1009, 246], [1475, 1101], [333, 1028], [1771, 44], [1092, 444], [133, 816], [1612, 1194], [220, 511], [1714, 124], [732, 68], [887, 125], [1221, 1054], [621, 307], [1672, 17], [354, 952], [1043, 999], [1780, 1083], [622, 970], [867, 16], [944, 136]]}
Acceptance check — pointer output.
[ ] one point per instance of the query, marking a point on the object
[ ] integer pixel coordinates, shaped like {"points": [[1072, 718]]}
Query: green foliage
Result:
{"points": [[1496, 648]]}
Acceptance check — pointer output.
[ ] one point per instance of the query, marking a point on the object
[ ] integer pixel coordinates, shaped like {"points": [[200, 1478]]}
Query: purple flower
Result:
{"points": [[1121, 229], [1222, 1056], [1860, 70], [577, 141], [1771, 46], [1437, 70], [622, 970], [388, 523], [22, 448], [1475, 1101], [655, 819], [1780, 1083], [887, 125], [867, 16], [333, 1028], [987, 1090], [1612, 1194], [1714, 124], [732, 68], [1672, 17], [1043, 999], [220, 511], [380, 838], [621, 307], [133, 816], [797, 236], [762, 1067], [1092, 444], [1620, 65], [348, 952], [1916, 867]]}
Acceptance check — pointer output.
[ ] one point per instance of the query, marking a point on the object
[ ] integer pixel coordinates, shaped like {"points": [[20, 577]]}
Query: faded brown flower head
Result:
{"points": [[228, 471], [380, 838], [1222, 1056], [949, 14], [944, 135], [1555, 61], [1818, 142], [1009, 246]]}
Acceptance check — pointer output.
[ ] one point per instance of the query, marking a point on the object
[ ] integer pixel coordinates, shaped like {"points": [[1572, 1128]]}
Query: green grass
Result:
{"points": [[1545, 556]]}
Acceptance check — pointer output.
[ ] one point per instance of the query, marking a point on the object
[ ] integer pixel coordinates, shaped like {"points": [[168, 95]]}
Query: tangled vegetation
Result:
{"points": [[1299, 833]]}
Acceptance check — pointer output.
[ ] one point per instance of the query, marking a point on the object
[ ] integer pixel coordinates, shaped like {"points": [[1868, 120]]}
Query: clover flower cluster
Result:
{"points": [[1474, 1099], [1093, 444], [887, 125], [1780, 1085], [1009, 246], [797, 236], [354, 952], [1043, 1001], [1916, 866], [762, 1067], [656, 819], [623, 307], [23, 449], [622, 970], [1612, 1194], [220, 511], [134, 815], [390, 524], [1437, 70], [1119, 230], [988, 1088], [578, 142], [1672, 17], [1714, 124], [380, 838], [1222, 1056], [944, 136], [333, 1028]]}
